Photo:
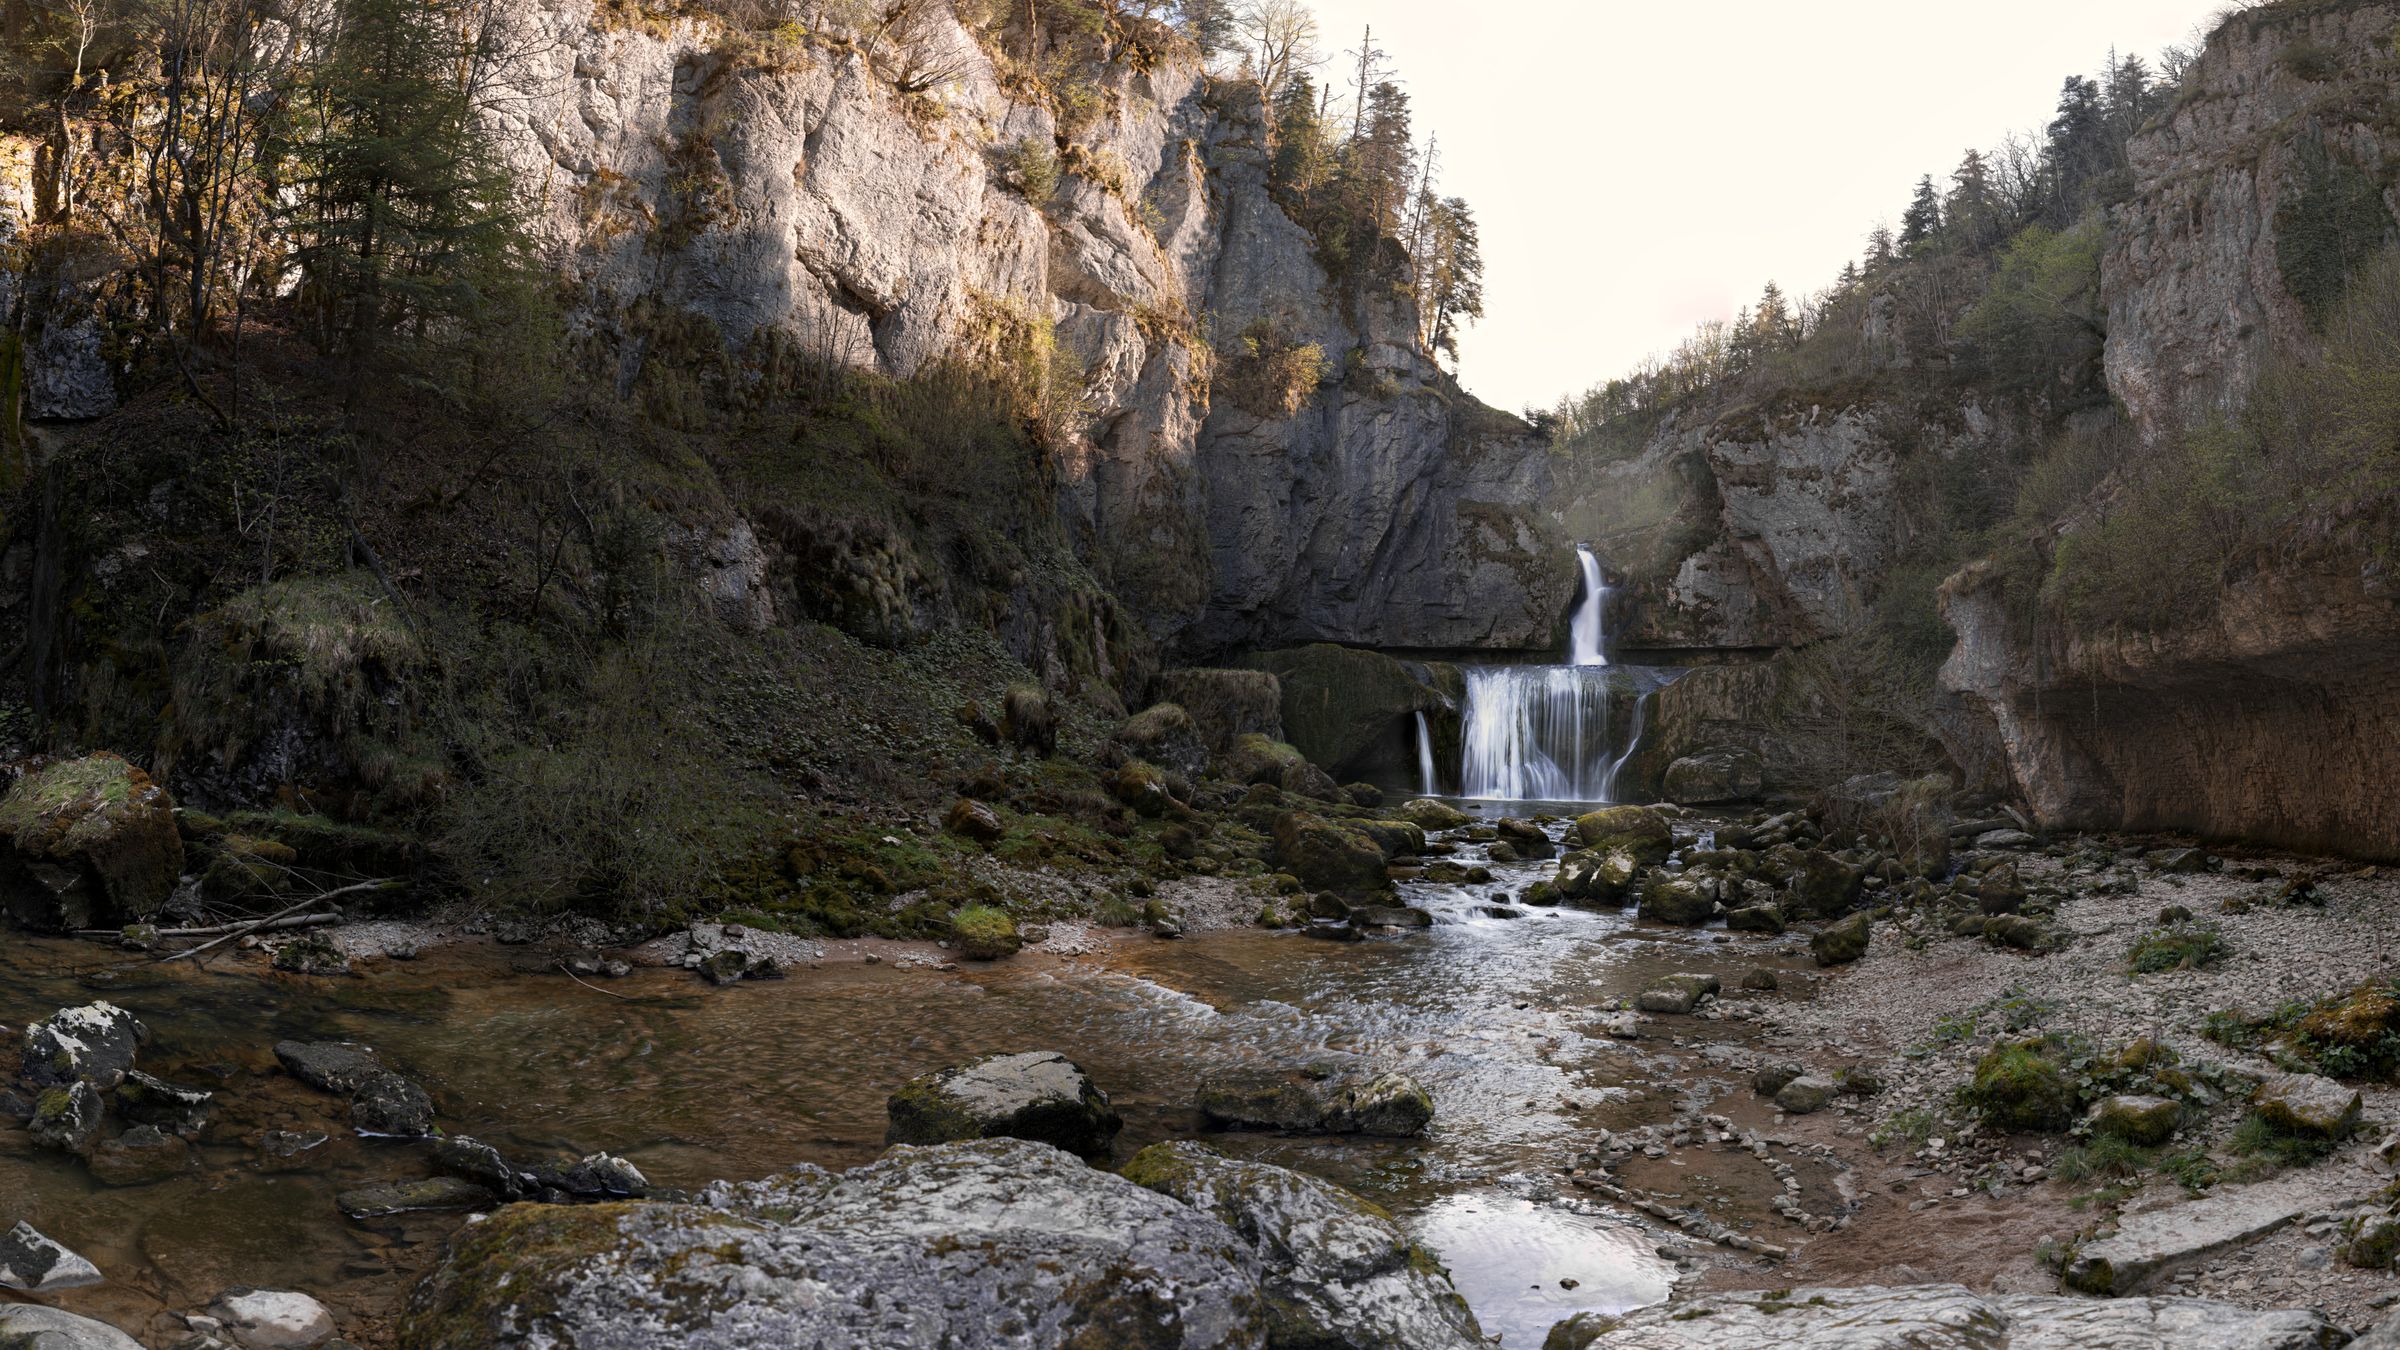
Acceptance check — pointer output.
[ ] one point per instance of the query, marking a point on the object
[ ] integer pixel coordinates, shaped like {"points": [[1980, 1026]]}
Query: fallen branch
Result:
{"points": [[296, 921], [288, 910]]}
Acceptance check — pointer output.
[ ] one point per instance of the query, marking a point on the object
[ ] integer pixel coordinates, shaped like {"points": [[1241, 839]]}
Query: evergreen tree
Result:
{"points": [[2078, 149], [1973, 209], [1880, 250], [1384, 157], [1211, 26], [1923, 219], [404, 215]]}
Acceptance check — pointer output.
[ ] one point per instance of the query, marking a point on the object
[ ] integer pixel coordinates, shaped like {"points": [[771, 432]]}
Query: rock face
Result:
{"points": [[1353, 711], [86, 843], [1336, 1269], [998, 1241], [1037, 1095], [1949, 1317], [2161, 1241]]}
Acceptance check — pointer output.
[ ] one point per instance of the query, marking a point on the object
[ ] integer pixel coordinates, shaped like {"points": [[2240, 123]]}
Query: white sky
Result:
{"points": [[1638, 166]]}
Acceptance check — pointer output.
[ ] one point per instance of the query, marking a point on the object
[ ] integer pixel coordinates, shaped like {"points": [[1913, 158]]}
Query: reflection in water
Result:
{"points": [[1494, 1015]]}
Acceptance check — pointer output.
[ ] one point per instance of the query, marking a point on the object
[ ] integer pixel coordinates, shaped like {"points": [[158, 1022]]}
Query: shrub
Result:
{"points": [[2273, 1147], [1031, 167], [2178, 946], [1270, 375], [985, 933], [2021, 1086]]}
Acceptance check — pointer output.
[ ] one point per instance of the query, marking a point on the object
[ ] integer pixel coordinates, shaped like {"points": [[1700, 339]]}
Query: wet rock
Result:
{"points": [[597, 1176], [33, 1264], [86, 843], [2137, 1119], [273, 1319], [1676, 994], [387, 1104], [1039, 1095], [328, 1066], [1717, 774], [1427, 814], [1825, 887], [1771, 1079], [2304, 1103], [1499, 912], [1804, 1094], [2158, 1242], [724, 966], [154, 1101], [1327, 856], [1390, 916], [2176, 860], [1502, 852], [1685, 901], [1328, 930], [1999, 892], [431, 1195], [1322, 1098], [66, 1118], [1530, 841], [29, 1326], [475, 1161], [971, 819], [1335, 1269], [1951, 1317], [1637, 830], [1755, 919], [1761, 980], [312, 954], [925, 1249], [94, 1044], [1593, 878], [1844, 942], [140, 1156], [1542, 895]]}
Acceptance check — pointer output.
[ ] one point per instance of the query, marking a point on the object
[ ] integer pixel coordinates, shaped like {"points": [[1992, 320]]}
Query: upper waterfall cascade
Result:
{"points": [[1560, 732]]}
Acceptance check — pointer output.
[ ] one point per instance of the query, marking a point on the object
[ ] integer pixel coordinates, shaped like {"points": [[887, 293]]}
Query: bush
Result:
{"points": [[2178, 946], [2273, 1147], [1031, 167], [2021, 1086], [1268, 374]]}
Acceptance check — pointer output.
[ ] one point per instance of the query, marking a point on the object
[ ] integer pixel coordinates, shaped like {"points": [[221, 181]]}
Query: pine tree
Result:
{"points": [[1973, 207], [1880, 249], [405, 216], [1923, 219], [1454, 285], [1385, 157], [2078, 149]]}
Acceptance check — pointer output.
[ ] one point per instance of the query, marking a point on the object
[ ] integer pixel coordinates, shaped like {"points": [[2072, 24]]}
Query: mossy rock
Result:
{"points": [[1328, 855], [87, 843], [2022, 1086], [1844, 942], [985, 933], [1226, 704], [1427, 814], [1255, 758], [1637, 831], [1141, 786], [1164, 734]]}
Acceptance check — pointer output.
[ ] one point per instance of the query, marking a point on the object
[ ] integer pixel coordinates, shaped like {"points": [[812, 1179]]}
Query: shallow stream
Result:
{"points": [[1498, 1016]]}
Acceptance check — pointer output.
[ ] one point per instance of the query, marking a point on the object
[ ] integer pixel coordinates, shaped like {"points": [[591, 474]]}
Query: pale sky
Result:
{"points": [[1639, 167]]}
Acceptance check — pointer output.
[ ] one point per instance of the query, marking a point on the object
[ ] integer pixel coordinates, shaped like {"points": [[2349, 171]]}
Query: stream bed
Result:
{"points": [[1499, 1017]]}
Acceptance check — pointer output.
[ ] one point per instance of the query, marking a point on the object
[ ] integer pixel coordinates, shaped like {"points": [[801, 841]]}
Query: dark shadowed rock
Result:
{"points": [[1329, 856], [86, 843], [36, 1265], [1844, 942], [66, 1118], [1717, 774], [154, 1101], [1337, 1271], [1322, 1098], [388, 1104], [432, 1195], [328, 1066], [1950, 1317], [1039, 1095], [140, 1156], [94, 1044]]}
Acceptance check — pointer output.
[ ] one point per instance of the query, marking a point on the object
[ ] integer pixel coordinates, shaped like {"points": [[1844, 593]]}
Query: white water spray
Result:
{"points": [[1587, 632], [1427, 785]]}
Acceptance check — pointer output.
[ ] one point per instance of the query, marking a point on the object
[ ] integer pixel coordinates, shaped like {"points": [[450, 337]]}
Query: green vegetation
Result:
{"points": [[984, 932], [2269, 1147], [2353, 1035], [2022, 1086], [2178, 946]]}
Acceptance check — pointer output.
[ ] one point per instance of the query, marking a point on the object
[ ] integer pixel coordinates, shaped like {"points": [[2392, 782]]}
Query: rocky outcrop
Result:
{"points": [[1949, 1317], [993, 1242]]}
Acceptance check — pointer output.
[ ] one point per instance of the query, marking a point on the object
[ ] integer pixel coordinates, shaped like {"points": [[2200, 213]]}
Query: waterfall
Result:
{"points": [[1556, 733], [1427, 784], [1587, 632]]}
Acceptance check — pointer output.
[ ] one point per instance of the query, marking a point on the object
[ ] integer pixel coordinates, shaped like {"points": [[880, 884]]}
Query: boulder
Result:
{"points": [[1335, 1269], [1254, 759], [1717, 774], [1141, 786], [1429, 815], [29, 1326], [1225, 704], [1825, 887], [384, 1103], [273, 1319], [985, 933], [140, 1156], [596, 1176], [66, 1118], [2306, 1104], [1951, 1317], [2137, 1119], [1397, 838], [1998, 891], [1844, 942], [971, 819], [1804, 1094], [1530, 841], [1039, 1095], [1028, 721], [1676, 994], [1303, 779], [2151, 1244], [1329, 856], [1687, 901], [475, 1161], [1320, 1098], [93, 1044], [1165, 735], [1390, 916], [86, 843], [1755, 919], [1346, 708], [1638, 830], [1771, 1078], [1365, 795], [328, 1066], [984, 1243], [1593, 879], [154, 1101], [33, 1264]]}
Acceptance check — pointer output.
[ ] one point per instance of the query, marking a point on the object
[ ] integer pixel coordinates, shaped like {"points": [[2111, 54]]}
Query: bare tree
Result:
{"points": [[1281, 39]]}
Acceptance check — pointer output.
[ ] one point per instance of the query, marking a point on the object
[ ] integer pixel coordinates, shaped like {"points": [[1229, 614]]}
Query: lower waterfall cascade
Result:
{"points": [[1555, 732]]}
